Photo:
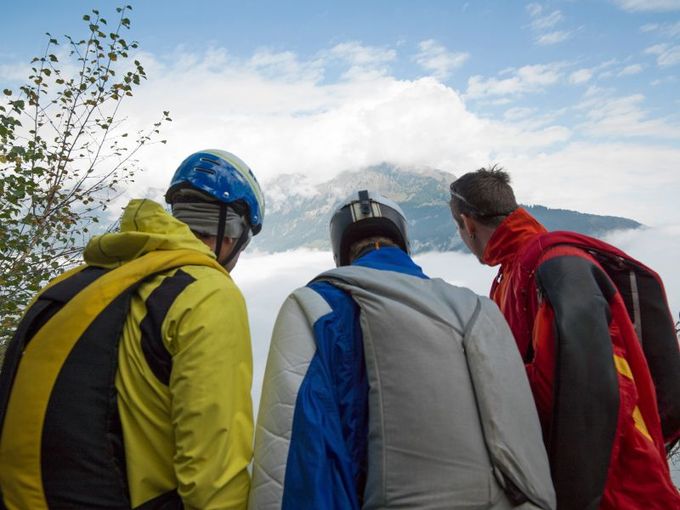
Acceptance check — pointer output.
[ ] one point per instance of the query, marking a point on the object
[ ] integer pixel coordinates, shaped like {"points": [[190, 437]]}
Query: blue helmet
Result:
{"points": [[224, 177]]}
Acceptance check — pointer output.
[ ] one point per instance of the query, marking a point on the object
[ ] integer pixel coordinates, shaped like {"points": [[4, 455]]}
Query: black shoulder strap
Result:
{"points": [[157, 306]]}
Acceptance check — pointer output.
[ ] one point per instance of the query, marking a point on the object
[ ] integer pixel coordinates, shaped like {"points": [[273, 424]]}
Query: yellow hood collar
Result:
{"points": [[144, 227]]}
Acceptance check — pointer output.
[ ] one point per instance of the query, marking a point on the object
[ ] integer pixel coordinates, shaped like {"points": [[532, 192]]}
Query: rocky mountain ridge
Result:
{"points": [[298, 212]]}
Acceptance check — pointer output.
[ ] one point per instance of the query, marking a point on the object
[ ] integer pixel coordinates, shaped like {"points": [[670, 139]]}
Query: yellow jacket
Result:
{"points": [[184, 373]]}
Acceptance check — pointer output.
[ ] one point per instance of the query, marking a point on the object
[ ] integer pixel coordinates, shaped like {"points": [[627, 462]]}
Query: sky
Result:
{"points": [[578, 100]]}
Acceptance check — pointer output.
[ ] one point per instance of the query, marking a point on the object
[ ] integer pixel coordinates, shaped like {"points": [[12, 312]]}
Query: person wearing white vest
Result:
{"points": [[387, 389]]}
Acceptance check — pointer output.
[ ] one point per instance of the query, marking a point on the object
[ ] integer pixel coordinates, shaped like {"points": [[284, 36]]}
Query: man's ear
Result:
{"points": [[469, 224]]}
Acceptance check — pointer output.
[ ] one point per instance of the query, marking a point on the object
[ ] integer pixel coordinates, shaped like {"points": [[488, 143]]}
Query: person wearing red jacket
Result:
{"points": [[587, 371]]}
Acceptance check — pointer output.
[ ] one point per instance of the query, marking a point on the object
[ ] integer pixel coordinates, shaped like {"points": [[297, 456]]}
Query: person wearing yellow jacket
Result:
{"points": [[127, 383]]}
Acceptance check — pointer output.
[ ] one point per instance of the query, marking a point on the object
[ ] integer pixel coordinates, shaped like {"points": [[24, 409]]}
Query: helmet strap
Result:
{"points": [[220, 230], [238, 246]]}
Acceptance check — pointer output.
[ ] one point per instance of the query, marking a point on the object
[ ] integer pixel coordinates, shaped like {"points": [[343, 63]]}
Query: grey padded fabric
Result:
{"points": [[507, 410], [285, 372], [451, 415]]}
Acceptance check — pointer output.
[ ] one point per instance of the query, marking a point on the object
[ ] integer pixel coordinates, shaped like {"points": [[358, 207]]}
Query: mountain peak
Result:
{"points": [[398, 183], [298, 211]]}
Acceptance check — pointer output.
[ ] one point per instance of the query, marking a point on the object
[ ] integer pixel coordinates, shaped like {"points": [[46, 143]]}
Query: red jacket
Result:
{"points": [[590, 380]]}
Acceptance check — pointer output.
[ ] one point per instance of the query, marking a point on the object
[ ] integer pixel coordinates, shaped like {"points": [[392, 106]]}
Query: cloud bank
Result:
{"points": [[342, 109]]}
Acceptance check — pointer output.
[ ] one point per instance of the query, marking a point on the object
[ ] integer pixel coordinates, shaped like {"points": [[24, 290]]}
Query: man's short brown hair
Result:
{"points": [[359, 247], [485, 195]]}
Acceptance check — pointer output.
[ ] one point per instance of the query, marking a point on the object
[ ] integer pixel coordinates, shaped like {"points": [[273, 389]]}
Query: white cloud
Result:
{"points": [[359, 55], [531, 78], [362, 62], [666, 55], [534, 9], [14, 73], [284, 65], [553, 37], [274, 111], [631, 69], [612, 178], [648, 5], [600, 71], [611, 116], [298, 124], [500, 102], [580, 76], [436, 58], [663, 81], [518, 113], [546, 22], [543, 25], [670, 30], [266, 280]]}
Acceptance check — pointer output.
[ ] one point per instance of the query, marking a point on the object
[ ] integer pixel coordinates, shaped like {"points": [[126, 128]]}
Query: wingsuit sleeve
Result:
{"points": [[311, 435], [210, 387], [327, 458], [290, 353], [507, 411], [575, 295]]}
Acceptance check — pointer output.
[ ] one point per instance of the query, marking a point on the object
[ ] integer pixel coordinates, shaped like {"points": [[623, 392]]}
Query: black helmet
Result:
{"points": [[363, 215]]}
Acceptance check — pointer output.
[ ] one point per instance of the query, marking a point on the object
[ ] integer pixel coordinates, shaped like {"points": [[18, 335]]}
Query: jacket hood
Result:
{"points": [[515, 231], [144, 227]]}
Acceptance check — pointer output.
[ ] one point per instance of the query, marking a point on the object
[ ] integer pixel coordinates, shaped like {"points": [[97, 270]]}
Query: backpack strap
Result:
{"points": [[157, 307]]}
